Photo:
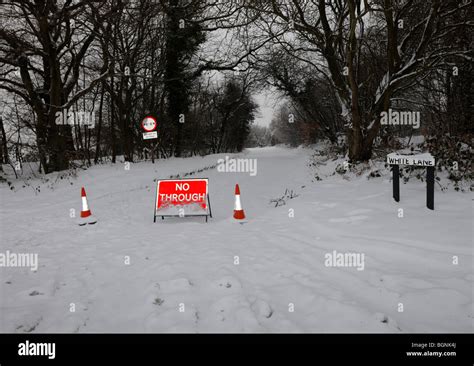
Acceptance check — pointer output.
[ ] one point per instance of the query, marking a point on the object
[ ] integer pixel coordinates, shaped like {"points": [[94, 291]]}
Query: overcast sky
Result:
{"points": [[268, 103]]}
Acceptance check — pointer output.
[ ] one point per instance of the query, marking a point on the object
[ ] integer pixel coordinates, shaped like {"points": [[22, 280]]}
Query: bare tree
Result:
{"points": [[338, 38], [43, 49]]}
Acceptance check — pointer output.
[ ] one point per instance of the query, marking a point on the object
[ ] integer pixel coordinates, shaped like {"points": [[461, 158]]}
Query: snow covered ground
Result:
{"points": [[182, 274]]}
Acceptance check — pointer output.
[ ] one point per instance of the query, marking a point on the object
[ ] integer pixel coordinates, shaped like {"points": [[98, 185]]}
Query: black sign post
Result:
{"points": [[396, 182], [430, 172]]}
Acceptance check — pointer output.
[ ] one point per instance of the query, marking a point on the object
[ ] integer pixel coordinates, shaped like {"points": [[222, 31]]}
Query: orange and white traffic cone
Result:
{"points": [[238, 211], [86, 214]]}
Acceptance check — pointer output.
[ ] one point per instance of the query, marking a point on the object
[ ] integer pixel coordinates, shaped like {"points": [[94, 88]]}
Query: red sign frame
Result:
{"points": [[143, 124]]}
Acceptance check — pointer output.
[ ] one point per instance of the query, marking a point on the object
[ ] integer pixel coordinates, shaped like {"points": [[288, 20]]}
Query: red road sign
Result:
{"points": [[149, 124], [182, 197], [180, 192]]}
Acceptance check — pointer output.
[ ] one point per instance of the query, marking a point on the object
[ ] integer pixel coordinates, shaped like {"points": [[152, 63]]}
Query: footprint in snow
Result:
{"points": [[175, 285], [390, 322], [228, 282], [262, 308]]}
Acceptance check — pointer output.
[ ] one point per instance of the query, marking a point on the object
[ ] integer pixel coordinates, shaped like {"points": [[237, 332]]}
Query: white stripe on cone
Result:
{"points": [[238, 205], [85, 206]]}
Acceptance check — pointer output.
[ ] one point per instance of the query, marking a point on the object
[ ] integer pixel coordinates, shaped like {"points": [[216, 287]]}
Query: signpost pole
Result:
{"points": [[430, 187], [154, 208], [396, 182], [209, 202], [153, 152]]}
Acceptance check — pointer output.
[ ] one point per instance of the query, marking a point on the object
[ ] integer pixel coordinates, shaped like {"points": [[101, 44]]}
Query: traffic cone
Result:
{"points": [[86, 214], [238, 211]]}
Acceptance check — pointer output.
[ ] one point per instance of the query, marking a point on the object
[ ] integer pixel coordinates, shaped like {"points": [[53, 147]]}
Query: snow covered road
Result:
{"points": [[127, 274]]}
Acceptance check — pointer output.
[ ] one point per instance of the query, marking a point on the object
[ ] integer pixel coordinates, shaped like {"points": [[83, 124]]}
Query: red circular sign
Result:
{"points": [[149, 124]]}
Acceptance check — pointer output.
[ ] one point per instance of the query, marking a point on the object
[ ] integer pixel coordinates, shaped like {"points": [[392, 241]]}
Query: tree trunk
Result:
{"points": [[112, 121], [99, 125], [3, 146], [57, 150]]}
